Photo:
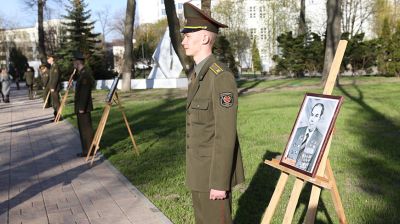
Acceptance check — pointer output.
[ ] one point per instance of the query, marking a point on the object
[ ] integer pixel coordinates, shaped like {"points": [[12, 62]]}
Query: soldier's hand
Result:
{"points": [[52, 90], [81, 111], [217, 194]]}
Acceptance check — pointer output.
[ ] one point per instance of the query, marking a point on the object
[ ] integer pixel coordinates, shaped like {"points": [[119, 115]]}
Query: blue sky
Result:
{"points": [[16, 12]]}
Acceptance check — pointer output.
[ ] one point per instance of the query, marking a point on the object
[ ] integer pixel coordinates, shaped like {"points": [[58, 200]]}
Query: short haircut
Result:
{"points": [[322, 108]]}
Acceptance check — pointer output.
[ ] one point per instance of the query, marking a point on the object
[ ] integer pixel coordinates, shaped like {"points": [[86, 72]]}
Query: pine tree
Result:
{"points": [[256, 57], [79, 36]]}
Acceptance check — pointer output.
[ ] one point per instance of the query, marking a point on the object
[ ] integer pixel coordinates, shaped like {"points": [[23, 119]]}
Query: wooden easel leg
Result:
{"points": [[294, 198], [335, 195], [280, 186], [312, 205], [117, 101], [99, 132]]}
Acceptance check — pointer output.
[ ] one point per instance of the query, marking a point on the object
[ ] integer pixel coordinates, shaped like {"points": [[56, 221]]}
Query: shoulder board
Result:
{"points": [[216, 68]]}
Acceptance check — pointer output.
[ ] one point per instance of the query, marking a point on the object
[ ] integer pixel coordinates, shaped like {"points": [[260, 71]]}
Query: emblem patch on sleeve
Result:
{"points": [[226, 99]]}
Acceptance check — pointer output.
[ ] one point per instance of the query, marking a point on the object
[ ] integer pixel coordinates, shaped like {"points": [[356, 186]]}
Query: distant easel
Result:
{"points": [[64, 99], [111, 97], [324, 177]]}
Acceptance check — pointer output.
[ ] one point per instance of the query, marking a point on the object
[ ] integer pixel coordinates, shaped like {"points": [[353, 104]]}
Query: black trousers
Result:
{"points": [[208, 211], [55, 100], [85, 130]]}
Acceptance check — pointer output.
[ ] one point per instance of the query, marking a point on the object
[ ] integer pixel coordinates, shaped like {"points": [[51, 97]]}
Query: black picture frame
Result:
{"points": [[111, 92], [310, 133]]}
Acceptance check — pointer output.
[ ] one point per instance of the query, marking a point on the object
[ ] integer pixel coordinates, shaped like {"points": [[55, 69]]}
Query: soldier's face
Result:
{"points": [[314, 117], [192, 43], [50, 60]]}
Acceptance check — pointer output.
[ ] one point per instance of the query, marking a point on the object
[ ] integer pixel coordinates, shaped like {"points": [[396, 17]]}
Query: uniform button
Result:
{"points": [[187, 135], [187, 147], [188, 124]]}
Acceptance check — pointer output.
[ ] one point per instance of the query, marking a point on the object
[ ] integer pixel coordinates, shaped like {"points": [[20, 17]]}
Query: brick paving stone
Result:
{"points": [[42, 182]]}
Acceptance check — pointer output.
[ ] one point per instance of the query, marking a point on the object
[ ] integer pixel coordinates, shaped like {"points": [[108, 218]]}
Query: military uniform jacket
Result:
{"points": [[83, 91], [312, 144], [54, 78], [28, 77], [45, 79], [213, 157]]}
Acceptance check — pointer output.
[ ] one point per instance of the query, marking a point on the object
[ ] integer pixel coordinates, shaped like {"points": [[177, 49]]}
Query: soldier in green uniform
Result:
{"points": [[44, 73], [29, 76], [83, 102], [213, 157], [54, 83]]}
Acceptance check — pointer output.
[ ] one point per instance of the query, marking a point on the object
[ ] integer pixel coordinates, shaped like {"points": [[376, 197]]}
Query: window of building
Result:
{"points": [[180, 5], [262, 12], [162, 2], [252, 33], [252, 12], [163, 12], [263, 33]]}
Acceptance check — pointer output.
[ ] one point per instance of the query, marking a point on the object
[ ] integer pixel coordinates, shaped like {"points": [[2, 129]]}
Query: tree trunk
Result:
{"points": [[333, 33], [42, 49], [206, 6], [128, 54], [302, 18], [175, 35]]}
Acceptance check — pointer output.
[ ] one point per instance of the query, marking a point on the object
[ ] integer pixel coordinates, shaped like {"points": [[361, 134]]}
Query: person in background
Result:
{"points": [[54, 83], [5, 85], [83, 102], [44, 74], [29, 77]]}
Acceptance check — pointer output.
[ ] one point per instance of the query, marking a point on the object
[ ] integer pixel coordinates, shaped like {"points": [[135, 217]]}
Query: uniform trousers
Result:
{"points": [[30, 91], [55, 100], [85, 131], [208, 211]]}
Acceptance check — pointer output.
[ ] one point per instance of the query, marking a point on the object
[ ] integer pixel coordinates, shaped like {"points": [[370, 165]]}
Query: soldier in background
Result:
{"points": [[54, 83], [83, 102], [213, 158], [29, 76], [44, 74]]}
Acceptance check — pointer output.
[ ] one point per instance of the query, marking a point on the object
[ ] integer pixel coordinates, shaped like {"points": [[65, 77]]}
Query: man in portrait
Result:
{"points": [[307, 140]]}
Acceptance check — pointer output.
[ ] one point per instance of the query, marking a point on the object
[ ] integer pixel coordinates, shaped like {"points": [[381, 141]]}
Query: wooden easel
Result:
{"points": [[64, 99], [100, 129], [324, 177]]}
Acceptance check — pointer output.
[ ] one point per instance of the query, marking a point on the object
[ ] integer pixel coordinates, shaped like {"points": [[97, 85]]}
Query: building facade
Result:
{"points": [[26, 41]]}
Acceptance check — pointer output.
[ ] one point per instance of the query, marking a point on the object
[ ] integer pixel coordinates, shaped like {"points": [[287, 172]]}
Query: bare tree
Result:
{"points": [[175, 35], [302, 18], [128, 53], [103, 16], [118, 22], [333, 33], [206, 6], [41, 5], [355, 14]]}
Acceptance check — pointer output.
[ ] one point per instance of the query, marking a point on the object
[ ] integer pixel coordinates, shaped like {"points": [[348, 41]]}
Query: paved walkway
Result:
{"points": [[41, 180]]}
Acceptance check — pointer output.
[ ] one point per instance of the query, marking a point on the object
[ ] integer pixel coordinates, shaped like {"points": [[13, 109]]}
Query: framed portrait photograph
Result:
{"points": [[310, 133], [112, 90]]}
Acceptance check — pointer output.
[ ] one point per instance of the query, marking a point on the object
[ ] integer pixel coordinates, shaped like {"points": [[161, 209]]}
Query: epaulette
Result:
{"points": [[216, 68]]}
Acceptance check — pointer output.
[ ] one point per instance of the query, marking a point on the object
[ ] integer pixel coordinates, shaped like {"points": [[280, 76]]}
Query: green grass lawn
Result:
{"points": [[364, 155]]}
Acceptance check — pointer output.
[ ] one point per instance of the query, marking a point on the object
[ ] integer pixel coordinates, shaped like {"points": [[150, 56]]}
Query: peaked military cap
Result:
{"points": [[197, 20], [42, 66]]}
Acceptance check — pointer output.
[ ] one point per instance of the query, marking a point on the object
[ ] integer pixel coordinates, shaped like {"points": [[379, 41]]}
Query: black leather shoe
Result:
{"points": [[81, 155]]}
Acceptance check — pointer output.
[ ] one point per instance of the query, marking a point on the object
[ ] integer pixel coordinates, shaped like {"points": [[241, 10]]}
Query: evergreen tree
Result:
{"points": [[79, 36], [223, 52], [393, 67], [384, 42], [255, 57]]}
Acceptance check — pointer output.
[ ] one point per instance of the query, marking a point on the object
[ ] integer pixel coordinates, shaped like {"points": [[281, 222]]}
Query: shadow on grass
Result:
{"points": [[255, 199], [377, 167], [159, 132]]}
